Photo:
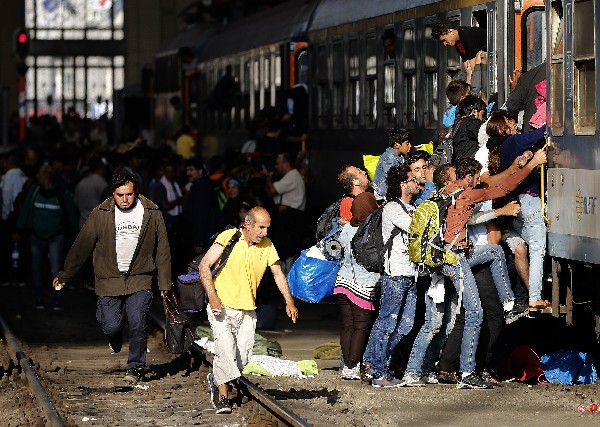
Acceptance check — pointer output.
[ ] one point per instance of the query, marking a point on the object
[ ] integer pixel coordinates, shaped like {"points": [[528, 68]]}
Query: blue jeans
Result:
{"points": [[110, 314], [429, 342], [473, 311], [530, 225], [494, 254], [42, 251], [394, 321]]}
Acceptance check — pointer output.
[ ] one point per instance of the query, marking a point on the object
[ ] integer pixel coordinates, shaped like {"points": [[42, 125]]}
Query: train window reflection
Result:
{"points": [[389, 77], [338, 83], [371, 58], [302, 67], [534, 39], [584, 103], [353, 84], [430, 112], [409, 78], [371, 82], [556, 73]]}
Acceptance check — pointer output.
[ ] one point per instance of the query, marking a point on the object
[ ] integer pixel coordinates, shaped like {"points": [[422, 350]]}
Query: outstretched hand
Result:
{"points": [[292, 311]]}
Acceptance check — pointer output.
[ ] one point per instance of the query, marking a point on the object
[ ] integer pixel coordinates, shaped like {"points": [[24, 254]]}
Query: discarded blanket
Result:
{"points": [[569, 367], [275, 367], [328, 351]]}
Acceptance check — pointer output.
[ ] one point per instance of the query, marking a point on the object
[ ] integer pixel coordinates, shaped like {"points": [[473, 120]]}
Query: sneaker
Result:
{"points": [[490, 379], [429, 378], [351, 373], [412, 379], [366, 375], [134, 375], [473, 381], [385, 382], [444, 377], [223, 406], [214, 393], [517, 312], [115, 343]]}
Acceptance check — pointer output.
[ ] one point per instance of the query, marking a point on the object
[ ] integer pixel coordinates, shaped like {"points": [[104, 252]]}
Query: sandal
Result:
{"points": [[539, 304]]}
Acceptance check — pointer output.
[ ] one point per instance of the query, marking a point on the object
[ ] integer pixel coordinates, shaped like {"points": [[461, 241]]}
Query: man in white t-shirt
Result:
{"points": [[289, 190], [127, 236]]}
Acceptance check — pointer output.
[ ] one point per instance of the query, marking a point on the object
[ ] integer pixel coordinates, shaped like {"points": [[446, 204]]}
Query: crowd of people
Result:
{"points": [[494, 232]]}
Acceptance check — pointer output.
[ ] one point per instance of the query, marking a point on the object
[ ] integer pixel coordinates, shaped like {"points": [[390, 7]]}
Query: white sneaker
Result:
{"points": [[351, 373]]}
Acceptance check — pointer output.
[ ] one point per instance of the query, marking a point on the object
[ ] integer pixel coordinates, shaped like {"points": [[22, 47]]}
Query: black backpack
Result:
{"points": [[178, 334], [445, 150], [367, 244], [329, 219]]}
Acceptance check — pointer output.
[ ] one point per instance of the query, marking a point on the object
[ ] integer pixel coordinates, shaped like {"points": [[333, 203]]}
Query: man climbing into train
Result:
{"points": [[471, 45]]}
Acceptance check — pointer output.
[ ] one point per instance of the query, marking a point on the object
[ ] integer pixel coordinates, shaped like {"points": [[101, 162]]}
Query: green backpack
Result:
{"points": [[426, 232]]}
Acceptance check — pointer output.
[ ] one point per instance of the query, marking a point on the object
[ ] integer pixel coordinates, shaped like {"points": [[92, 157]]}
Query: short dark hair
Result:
{"points": [[469, 104], [496, 125], [346, 179], [416, 156], [467, 166], [388, 34], [441, 175], [396, 175], [121, 178], [456, 89], [398, 135], [286, 157], [442, 27], [195, 162]]}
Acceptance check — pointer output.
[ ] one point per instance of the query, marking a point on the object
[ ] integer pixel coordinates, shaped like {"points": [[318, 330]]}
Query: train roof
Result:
{"points": [[194, 37], [333, 13], [288, 21]]}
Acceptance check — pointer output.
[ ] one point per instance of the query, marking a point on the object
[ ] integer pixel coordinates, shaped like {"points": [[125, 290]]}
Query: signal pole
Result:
{"points": [[21, 50]]}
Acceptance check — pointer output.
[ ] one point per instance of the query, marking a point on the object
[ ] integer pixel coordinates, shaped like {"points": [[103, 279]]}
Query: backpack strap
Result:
{"points": [[227, 251]]}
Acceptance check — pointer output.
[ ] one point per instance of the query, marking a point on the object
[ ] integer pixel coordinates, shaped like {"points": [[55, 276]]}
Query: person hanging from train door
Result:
{"points": [[231, 292], [471, 45]]}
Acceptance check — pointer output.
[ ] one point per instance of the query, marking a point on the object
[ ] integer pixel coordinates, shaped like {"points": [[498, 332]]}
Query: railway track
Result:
{"points": [[75, 380]]}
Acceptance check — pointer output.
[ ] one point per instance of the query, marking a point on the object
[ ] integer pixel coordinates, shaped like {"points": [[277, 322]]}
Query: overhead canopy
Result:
{"points": [[194, 37]]}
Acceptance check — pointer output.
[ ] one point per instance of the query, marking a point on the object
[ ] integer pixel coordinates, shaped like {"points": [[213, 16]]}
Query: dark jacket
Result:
{"points": [[465, 140], [48, 212], [472, 40], [201, 212], [513, 147], [525, 94], [98, 236]]}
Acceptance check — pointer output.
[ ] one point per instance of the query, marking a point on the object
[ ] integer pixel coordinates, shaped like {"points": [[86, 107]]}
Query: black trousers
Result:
{"points": [[488, 350], [356, 323]]}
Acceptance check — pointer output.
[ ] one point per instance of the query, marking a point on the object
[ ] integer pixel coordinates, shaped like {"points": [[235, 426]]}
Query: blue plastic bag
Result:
{"points": [[312, 279], [569, 367]]}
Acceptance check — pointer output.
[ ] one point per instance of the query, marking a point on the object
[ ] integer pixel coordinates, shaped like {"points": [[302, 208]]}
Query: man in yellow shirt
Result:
{"points": [[185, 143], [231, 293]]}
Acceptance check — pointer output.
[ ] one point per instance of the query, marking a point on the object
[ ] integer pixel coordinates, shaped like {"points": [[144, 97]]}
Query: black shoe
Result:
{"points": [[517, 312], [115, 343], [473, 381], [223, 406], [447, 377], [134, 375]]}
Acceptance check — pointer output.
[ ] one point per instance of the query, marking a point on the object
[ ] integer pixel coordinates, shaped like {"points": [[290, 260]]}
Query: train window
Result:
{"points": [[453, 61], [430, 111], [409, 77], [338, 84], [267, 73], [302, 67], [322, 86], [353, 84], [585, 67], [389, 77], [256, 75], [277, 71], [534, 38], [371, 81], [556, 74]]}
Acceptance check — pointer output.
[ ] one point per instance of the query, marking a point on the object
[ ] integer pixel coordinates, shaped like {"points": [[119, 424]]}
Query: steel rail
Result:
{"points": [[261, 396], [33, 381]]}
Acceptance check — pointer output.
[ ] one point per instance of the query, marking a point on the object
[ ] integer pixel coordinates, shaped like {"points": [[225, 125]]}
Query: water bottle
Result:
{"points": [[15, 256]]}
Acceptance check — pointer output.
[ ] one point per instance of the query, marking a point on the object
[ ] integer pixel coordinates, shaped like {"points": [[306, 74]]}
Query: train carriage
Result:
{"points": [[573, 178]]}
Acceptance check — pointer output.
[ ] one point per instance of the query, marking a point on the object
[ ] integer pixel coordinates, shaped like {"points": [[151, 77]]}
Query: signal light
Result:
{"points": [[21, 44]]}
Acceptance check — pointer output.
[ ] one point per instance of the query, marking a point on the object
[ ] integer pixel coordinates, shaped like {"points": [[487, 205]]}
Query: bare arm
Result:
{"points": [[282, 284], [209, 259], [269, 187]]}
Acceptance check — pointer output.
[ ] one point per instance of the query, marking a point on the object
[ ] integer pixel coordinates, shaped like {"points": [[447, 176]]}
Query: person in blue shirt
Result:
{"points": [[399, 147], [455, 92]]}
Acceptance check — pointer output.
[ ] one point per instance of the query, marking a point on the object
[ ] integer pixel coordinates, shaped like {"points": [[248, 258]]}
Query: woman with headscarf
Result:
{"points": [[357, 292], [231, 209]]}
